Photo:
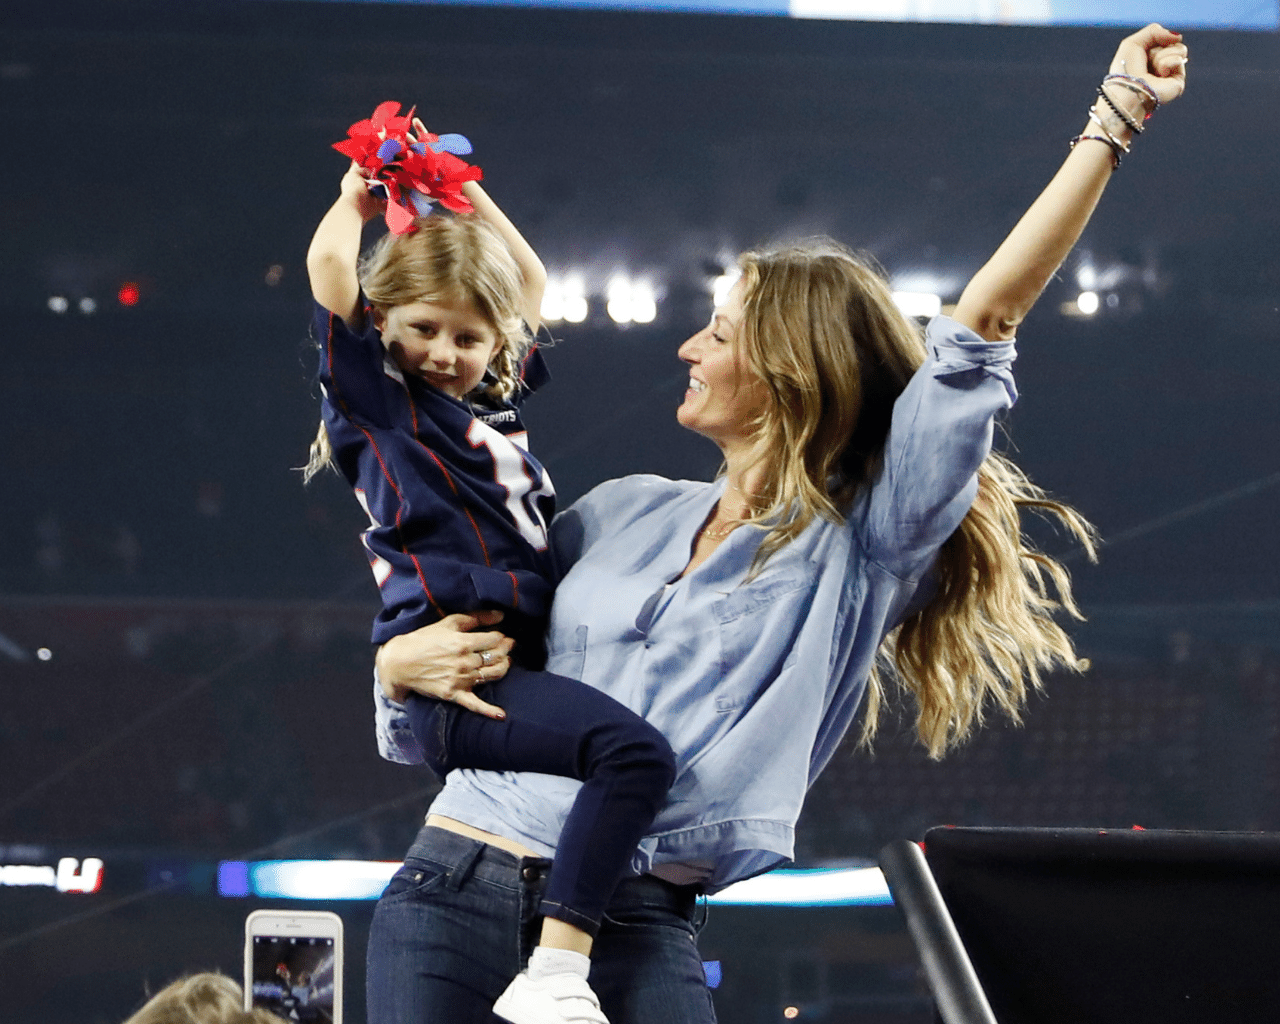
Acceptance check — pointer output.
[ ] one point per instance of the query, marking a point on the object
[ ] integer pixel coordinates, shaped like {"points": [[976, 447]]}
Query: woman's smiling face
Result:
{"points": [[724, 398]]}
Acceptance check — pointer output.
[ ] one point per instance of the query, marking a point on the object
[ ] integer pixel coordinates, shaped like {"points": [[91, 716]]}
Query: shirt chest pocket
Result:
{"points": [[570, 659], [757, 624]]}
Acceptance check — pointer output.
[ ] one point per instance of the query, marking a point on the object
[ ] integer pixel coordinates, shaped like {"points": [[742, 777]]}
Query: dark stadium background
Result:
{"points": [[206, 693]]}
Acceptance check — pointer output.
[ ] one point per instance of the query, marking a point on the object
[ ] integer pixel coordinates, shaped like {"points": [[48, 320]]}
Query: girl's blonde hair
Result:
{"points": [[447, 261], [820, 328], [206, 998]]}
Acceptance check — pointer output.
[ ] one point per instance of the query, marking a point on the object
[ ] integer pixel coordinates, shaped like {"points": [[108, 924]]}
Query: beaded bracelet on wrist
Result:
{"points": [[1136, 85], [1134, 126], [1110, 144]]}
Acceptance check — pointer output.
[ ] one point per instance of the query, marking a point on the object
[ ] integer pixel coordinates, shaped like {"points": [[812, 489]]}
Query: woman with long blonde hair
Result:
{"points": [[862, 534]]}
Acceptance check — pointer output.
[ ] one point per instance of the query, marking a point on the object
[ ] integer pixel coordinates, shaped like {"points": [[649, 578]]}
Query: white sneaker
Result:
{"points": [[558, 999]]}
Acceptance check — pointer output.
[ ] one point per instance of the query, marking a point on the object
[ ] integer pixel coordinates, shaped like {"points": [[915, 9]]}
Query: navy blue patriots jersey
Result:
{"points": [[458, 508]]}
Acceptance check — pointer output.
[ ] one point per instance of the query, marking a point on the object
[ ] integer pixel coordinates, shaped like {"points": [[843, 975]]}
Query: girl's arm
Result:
{"points": [[335, 249], [535, 275], [999, 296], [531, 268]]}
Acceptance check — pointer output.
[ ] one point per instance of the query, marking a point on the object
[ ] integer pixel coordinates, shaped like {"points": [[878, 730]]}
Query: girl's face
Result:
{"points": [[724, 397], [448, 346]]}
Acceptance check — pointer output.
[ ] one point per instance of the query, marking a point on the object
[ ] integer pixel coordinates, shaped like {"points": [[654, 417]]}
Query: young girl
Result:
{"points": [[426, 354]]}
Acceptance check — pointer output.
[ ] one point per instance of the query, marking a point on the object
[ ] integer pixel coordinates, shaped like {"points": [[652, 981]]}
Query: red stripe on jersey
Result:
{"points": [[524, 363], [400, 511], [382, 464], [413, 412], [484, 548], [422, 577]]}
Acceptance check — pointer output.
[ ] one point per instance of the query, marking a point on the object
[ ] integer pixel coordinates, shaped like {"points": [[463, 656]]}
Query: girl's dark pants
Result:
{"points": [[560, 726]]}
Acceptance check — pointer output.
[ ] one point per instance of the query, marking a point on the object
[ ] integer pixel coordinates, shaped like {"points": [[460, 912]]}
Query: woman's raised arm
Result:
{"points": [[1149, 66]]}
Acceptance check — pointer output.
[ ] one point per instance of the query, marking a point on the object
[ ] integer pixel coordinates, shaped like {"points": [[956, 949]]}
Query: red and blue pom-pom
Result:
{"points": [[410, 171]]}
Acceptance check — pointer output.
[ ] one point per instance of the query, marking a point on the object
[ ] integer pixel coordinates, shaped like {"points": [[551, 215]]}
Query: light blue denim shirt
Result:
{"points": [[755, 681]]}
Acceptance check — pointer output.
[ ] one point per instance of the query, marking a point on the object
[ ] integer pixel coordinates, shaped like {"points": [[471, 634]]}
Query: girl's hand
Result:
{"points": [[355, 188], [1156, 55], [446, 660]]}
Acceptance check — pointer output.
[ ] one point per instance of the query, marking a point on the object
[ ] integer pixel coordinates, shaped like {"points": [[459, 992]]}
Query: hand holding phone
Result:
{"points": [[293, 964]]}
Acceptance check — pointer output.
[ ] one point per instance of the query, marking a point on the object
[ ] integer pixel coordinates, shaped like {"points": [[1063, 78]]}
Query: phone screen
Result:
{"points": [[293, 977]]}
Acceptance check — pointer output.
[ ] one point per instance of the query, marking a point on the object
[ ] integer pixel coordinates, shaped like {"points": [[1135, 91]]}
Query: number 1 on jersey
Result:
{"points": [[512, 474]]}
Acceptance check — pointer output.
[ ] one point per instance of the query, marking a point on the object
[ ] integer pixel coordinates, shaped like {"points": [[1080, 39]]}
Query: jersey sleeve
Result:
{"points": [[352, 370], [534, 372], [940, 433]]}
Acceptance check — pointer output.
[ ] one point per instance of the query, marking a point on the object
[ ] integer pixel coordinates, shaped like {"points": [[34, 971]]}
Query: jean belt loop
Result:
{"points": [[461, 871], [698, 916]]}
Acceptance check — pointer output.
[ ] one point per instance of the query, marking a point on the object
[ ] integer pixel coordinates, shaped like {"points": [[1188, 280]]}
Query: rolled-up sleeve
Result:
{"points": [[939, 436], [396, 741]]}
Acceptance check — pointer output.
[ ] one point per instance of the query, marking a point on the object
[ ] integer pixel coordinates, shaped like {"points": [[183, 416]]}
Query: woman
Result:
{"points": [[860, 511]]}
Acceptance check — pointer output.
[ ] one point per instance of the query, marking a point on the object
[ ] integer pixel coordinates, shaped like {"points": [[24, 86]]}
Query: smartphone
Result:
{"points": [[293, 964]]}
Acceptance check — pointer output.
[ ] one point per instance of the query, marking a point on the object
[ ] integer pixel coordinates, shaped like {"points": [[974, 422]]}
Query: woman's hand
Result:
{"points": [[446, 660], [1156, 55]]}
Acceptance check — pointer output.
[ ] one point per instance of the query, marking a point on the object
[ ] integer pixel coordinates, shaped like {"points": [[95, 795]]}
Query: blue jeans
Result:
{"points": [[459, 919], [559, 726]]}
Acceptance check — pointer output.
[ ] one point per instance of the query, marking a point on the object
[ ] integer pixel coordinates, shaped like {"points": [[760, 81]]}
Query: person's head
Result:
{"points": [[206, 998], [800, 367], [725, 396], [822, 330], [818, 353], [447, 300]]}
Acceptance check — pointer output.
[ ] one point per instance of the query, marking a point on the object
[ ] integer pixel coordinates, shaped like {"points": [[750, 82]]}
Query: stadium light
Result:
{"points": [[644, 303], [631, 301], [565, 299], [575, 308], [924, 304], [365, 880], [723, 284], [1087, 303]]}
